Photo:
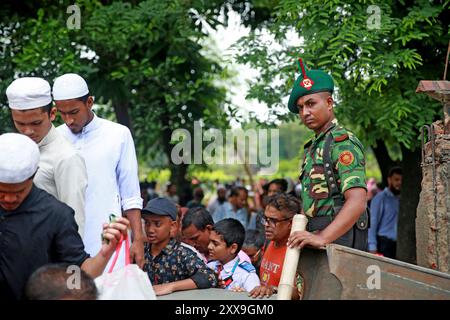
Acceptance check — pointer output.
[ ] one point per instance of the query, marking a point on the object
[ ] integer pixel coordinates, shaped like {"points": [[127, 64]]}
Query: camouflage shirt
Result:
{"points": [[348, 160]]}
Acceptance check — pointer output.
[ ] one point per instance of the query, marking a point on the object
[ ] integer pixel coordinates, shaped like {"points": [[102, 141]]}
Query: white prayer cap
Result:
{"points": [[69, 86], [19, 158], [28, 93]]}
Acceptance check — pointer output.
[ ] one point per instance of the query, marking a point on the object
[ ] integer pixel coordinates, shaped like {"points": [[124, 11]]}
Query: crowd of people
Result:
{"points": [[61, 188]]}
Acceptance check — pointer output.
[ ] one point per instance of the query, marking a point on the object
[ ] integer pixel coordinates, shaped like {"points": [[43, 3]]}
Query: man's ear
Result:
{"points": [[53, 114], [330, 101], [173, 229], [90, 102], [209, 227], [234, 248]]}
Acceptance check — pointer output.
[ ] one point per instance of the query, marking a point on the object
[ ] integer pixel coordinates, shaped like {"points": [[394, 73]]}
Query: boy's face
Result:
{"points": [[34, 123], [218, 249], [158, 228]]}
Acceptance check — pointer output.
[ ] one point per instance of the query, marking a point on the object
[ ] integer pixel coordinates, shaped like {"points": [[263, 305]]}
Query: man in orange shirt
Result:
{"points": [[277, 221]]}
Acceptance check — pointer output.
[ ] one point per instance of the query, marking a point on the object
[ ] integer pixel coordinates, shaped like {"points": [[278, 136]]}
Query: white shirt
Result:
{"points": [[113, 183], [243, 274], [62, 173]]}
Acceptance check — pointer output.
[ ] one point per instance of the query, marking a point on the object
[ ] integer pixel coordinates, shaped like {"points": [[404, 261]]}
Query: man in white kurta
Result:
{"points": [[62, 171], [110, 156]]}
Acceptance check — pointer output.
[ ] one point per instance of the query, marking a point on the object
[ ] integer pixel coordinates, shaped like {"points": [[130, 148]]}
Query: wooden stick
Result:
{"points": [[291, 261]]}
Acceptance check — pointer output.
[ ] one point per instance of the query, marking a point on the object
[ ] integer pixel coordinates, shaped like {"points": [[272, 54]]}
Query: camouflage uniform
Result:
{"points": [[348, 160], [325, 176]]}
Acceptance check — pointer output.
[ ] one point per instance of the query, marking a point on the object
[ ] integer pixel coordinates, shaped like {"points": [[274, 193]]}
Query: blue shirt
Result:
{"points": [[383, 217], [227, 211]]}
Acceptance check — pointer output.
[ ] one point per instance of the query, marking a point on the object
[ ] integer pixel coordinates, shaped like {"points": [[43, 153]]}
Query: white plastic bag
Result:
{"points": [[128, 283]]}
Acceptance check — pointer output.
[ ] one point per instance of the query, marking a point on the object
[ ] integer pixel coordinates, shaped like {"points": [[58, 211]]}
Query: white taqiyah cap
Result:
{"points": [[28, 93], [69, 86], [19, 158]]}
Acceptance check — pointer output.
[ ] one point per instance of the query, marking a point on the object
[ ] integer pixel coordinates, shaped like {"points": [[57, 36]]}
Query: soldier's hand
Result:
{"points": [[300, 239], [261, 292]]}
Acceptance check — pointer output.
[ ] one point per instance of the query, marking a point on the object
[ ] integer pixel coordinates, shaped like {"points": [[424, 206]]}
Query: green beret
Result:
{"points": [[314, 81]]}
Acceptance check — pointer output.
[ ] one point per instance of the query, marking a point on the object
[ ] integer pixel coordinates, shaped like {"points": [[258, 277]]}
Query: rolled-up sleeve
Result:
{"points": [[127, 174]]}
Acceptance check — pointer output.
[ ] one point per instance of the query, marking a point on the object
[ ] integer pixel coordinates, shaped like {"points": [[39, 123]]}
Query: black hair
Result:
{"points": [[232, 231], [286, 203], [281, 182], [170, 185], [48, 108], [198, 193], [395, 170], [234, 192], [199, 217], [84, 98], [254, 238], [51, 282]]}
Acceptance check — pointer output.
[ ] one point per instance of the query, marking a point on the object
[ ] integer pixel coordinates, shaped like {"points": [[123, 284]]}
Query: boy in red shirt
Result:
{"points": [[277, 221]]}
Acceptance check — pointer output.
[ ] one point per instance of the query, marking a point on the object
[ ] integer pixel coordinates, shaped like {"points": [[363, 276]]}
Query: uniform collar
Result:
{"points": [[333, 124], [49, 138]]}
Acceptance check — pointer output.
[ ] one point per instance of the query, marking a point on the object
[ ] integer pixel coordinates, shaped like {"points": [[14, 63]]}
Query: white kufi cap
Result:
{"points": [[19, 158], [69, 86], [28, 93]]}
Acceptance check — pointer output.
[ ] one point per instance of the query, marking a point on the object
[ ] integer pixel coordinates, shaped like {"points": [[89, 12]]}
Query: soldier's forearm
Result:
{"points": [[354, 206]]}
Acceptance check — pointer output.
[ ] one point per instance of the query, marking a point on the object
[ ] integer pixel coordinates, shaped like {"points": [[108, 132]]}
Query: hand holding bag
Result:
{"points": [[128, 283]]}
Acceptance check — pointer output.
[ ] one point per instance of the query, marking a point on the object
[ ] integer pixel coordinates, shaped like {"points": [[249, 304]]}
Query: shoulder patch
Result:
{"points": [[341, 137], [247, 266]]}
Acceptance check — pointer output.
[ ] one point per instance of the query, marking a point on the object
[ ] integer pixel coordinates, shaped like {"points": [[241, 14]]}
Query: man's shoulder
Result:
{"points": [[49, 205], [343, 136], [380, 196], [63, 130], [111, 125], [64, 149]]}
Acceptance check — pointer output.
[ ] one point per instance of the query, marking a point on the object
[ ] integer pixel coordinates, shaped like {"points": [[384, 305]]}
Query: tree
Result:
{"points": [[377, 52], [143, 58]]}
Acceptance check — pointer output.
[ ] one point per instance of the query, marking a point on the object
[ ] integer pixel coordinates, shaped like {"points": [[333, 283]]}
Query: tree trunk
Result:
{"points": [[384, 160], [409, 199], [122, 114], [177, 172]]}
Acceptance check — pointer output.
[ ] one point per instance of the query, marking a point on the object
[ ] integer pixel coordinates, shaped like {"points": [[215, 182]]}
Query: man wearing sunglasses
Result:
{"points": [[277, 221]]}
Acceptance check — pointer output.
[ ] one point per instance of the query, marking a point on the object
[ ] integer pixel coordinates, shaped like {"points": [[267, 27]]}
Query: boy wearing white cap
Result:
{"points": [[109, 152], [35, 228], [62, 171]]}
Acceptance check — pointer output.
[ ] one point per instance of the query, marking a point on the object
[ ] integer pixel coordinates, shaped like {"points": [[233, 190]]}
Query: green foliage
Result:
{"points": [[376, 70], [143, 55]]}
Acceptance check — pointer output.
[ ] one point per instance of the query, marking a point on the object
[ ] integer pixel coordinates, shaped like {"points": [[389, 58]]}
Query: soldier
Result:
{"points": [[333, 172]]}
